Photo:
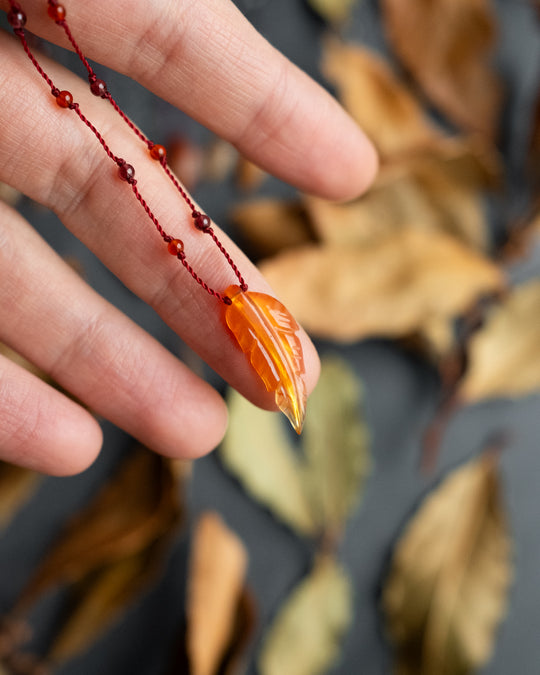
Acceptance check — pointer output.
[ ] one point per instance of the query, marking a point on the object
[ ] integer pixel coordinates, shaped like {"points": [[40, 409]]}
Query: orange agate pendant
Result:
{"points": [[268, 334]]}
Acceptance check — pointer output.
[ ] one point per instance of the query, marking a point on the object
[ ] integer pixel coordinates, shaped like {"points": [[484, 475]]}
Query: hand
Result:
{"points": [[204, 57]]}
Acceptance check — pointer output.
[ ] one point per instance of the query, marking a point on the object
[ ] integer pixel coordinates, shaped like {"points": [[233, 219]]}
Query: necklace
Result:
{"points": [[262, 327]]}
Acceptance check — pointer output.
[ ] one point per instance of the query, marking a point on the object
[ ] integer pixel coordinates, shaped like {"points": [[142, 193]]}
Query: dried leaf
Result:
{"points": [[335, 447], [333, 11], [256, 449], [17, 485], [447, 589], [100, 600], [446, 45], [269, 335], [390, 287], [136, 508], [249, 176], [382, 105], [306, 636], [504, 356], [216, 580], [270, 225], [438, 189]]}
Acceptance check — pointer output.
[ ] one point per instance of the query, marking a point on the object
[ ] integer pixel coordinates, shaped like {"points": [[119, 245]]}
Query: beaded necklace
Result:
{"points": [[262, 327]]}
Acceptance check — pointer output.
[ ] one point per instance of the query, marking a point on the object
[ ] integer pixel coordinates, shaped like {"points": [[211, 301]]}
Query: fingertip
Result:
{"points": [[78, 442]]}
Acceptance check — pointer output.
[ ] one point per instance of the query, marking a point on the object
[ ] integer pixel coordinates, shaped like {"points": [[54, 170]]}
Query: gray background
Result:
{"points": [[401, 394]]}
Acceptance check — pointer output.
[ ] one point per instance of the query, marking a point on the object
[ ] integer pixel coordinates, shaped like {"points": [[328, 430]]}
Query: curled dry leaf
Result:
{"points": [[17, 485], [313, 488], [446, 45], [135, 509], [333, 11], [270, 225], [372, 94], [257, 450], [447, 588], [437, 189], [306, 636], [391, 287], [336, 447], [217, 573], [504, 355]]}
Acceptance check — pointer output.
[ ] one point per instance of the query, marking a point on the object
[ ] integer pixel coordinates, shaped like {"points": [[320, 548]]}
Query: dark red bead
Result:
{"points": [[64, 99], [126, 172], [16, 18], [57, 12], [98, 88], [175, 246], [202, 222], [158, 152]]}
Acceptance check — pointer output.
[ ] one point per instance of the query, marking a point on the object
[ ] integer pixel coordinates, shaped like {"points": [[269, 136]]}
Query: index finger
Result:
{"points": [[204, 57]]}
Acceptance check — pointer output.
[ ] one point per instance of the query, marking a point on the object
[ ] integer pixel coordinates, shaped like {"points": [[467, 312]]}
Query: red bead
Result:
{"points": [[57, 12], [202, 222], [16, 18], [175, 246], [98, 88], [126, 172], [64, 99], [158, 152]]}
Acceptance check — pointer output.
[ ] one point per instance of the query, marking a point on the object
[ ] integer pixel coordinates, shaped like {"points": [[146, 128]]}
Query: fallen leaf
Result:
{"points": [[390, 287], [98, 601], [438, 189], [270, 225], [377, 100], [504, 355], [447, 46], [257, 450], [306, 636], [217, 571], [336, 447], [137, 507], [447, 589], [333, 11], [17, 485]]}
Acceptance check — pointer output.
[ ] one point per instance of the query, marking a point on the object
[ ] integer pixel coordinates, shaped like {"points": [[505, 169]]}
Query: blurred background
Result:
{"points": [[400, 533]]}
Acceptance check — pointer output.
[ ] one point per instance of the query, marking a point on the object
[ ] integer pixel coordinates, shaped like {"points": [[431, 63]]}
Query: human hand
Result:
{"points": [[205, 58]]}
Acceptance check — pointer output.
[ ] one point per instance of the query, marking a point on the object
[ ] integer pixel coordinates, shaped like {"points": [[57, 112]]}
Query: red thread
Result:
{"points": [[99, 88]]}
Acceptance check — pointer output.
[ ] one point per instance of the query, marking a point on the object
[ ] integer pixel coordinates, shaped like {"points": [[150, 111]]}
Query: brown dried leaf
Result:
{"points": [[391, 287], [137, 507], [270, 225], [382, 105], [438, 189], [447, 589], [504, 356], [100, 599], [333, 11], [306, 636], [216, 581], [17, 485], [446, 45]]}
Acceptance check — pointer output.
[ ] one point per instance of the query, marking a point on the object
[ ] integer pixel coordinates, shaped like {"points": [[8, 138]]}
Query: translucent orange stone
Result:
{"points": [[64, 99], [268, 334], [158, 152], [175, 246]]}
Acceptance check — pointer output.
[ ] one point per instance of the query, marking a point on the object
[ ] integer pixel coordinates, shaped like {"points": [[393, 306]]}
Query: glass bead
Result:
{"points": [[158, 152], [175, 246], [64, 99], [126, 172], [202, 222], [57, 12], [16, 18], [99, 88]]}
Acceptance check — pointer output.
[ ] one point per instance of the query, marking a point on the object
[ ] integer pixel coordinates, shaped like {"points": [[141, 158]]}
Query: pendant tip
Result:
{"points": [[296, 416]]}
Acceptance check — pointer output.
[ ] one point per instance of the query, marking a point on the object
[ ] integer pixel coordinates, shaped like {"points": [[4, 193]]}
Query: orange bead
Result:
{"points": [[158, 152], [64, 99], [175, 246], [57, 12], [268, 334]]}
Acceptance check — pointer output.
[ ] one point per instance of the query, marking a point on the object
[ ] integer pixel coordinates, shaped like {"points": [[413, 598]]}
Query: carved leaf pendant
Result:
{"points": [[268, 335]]}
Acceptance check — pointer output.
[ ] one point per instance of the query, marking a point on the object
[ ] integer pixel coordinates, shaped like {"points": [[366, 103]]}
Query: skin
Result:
{"points": [[248, 93]]}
